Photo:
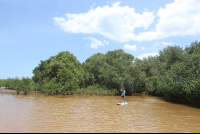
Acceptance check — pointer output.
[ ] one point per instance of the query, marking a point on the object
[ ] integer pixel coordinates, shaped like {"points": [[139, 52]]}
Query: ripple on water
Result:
{"points": [[19, 113]]}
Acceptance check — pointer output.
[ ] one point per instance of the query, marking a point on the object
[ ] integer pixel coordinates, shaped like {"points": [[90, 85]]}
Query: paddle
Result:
{"points": [[124, 97], [120, 95]]}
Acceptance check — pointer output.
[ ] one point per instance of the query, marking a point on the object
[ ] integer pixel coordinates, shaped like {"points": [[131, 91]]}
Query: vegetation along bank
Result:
{"points": [[174, 74]]}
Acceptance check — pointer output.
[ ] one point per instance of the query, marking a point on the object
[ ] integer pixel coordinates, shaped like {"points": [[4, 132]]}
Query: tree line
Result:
{"points": [[173, 74]]}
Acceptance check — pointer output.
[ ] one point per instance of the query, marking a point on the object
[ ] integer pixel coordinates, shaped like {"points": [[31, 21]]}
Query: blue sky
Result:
{"points": [[34, 30]]}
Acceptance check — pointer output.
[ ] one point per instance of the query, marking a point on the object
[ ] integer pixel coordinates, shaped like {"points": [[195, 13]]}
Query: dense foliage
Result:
{"points": [[59, 74], [111, 70], [24, 84], [178, 79], [174, 74]]}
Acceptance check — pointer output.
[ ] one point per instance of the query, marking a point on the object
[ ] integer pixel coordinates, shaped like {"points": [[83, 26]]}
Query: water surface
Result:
{"points": [[20, 113]]}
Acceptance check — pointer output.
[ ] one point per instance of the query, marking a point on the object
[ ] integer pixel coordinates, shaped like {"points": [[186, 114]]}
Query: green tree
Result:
{"points": [[27, 85], [111, 70], [170, 55], [1, 82], [139, 75], [63, 70], [193, 48], [17, 85]]}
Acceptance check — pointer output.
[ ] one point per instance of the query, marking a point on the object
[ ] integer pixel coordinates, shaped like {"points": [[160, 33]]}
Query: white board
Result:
{"points": [[122, 103]]}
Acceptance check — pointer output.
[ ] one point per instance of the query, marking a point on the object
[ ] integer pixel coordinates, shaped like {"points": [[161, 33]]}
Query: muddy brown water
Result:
{"points": [[143, 113]]}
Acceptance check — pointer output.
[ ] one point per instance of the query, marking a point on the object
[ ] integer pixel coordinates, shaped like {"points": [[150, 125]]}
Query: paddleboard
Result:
{"points": [[122, 103]]}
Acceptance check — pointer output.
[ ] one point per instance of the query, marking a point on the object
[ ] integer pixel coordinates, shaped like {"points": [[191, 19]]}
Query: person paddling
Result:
{"points": [[122, 94]]}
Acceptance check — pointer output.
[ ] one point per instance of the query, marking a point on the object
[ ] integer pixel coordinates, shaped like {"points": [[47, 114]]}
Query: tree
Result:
{"points": [[170, 55], [111, 70], [193, 48], [17, 85], [63, 70], [139, 74], [27, 85]]}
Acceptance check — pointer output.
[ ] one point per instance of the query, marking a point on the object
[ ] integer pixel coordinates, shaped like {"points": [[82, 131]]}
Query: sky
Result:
{"points": [[35, 30]]}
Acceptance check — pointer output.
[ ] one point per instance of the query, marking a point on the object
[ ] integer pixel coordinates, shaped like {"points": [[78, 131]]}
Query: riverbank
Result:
{"points": [[90, 90], [14, 91], [79, 92]]}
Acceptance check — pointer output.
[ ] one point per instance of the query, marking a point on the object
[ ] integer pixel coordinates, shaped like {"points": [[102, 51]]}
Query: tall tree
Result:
{"points": [[63, 68], [170, 55]]}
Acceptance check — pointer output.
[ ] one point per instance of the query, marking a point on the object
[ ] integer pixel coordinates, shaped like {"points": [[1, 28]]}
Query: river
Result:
{"points": [[143, 113]]}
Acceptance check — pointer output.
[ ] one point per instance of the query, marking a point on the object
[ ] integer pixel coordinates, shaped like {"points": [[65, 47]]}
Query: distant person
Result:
{"points": [[122, 94]]}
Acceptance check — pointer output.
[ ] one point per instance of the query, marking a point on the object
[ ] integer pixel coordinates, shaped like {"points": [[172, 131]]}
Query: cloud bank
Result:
{"points": [[146, 55], [116, 23], [180, 18], [163, 43], [95, 43], [129, 47]]}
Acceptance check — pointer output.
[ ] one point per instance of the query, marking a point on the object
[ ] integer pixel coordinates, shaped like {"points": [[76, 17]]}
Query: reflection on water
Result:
{"points": [[20, 113]]}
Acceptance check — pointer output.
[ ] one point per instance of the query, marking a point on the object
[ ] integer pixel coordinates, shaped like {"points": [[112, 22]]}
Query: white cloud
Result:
{"points": [[146, 55], [143, 47], [180, 18], [167, 43], [129, 47], [95, 43], [106, 42], [115, 22], [163, 43], [92, 5]]}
